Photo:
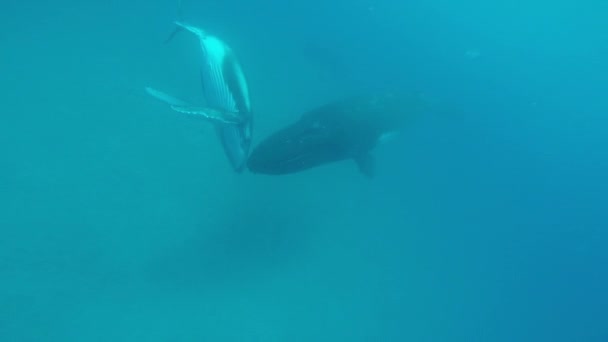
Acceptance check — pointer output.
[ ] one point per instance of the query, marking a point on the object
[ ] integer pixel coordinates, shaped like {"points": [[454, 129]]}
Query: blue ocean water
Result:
{"points": [[122, 221]]}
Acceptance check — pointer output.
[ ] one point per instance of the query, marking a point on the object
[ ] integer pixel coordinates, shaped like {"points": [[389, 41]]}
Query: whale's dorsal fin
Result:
{"points": [[366, 164]]}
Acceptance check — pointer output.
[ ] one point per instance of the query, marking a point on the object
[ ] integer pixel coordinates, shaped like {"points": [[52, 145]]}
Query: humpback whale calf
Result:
{"points": [[226, 94], [341, 130]]}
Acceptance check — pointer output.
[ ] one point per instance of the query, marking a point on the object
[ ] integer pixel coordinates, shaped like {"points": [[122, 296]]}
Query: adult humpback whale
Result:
{"points": [[226, 93], [346, 129]]}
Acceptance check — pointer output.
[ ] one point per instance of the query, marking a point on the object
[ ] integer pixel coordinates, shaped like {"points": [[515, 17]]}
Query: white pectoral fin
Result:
{"points": [[211, 114], [166, 98]]}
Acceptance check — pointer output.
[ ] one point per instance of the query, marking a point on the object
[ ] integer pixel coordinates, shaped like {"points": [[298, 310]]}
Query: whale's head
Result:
{"points": [[299, 146]]}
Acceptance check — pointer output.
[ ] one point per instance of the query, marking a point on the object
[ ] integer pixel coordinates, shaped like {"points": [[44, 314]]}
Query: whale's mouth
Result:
{"points": [[295, 148]]}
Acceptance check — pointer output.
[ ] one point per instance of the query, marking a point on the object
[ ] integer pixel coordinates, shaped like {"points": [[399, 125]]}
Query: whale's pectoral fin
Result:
{"points": [[216, 116], [366, 164], [166, 98], [211, 114]]}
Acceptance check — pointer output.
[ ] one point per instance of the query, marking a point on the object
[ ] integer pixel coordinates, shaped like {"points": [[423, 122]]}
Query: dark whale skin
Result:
{"points": [[346, 129]]}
